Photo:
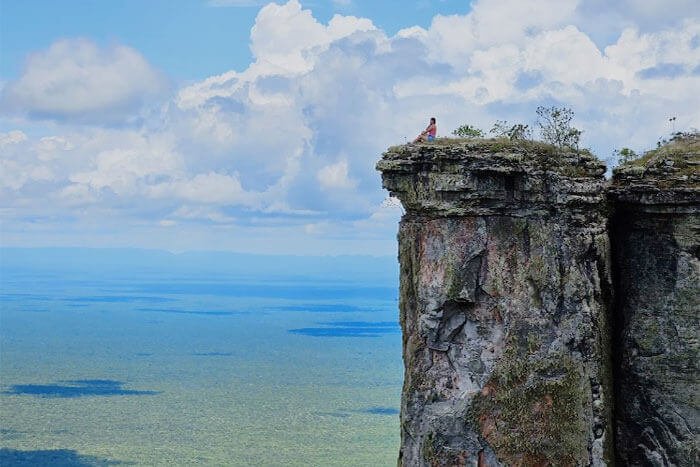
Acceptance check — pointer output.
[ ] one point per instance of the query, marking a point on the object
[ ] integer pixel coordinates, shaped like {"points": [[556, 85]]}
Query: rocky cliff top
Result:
{"points": [[668, 175], [457, 177]]}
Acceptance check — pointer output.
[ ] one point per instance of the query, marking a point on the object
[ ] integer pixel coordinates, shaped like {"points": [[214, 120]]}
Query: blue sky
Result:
{"points": [[188, 39], [254, 127]]}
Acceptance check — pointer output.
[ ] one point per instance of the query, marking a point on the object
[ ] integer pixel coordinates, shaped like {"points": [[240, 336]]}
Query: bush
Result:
{"points": [[468, 131]]}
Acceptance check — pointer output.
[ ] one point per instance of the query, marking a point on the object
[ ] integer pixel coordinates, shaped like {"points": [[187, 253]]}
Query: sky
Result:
{"points": [[249, 126]]}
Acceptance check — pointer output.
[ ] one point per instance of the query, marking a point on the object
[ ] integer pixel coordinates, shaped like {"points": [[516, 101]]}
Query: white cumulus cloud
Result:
{"points": [[75, 79], [290, 38], [335, 176]]}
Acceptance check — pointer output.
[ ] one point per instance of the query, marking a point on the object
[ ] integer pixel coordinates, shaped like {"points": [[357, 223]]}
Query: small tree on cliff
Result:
{"points": [[555, 126], [468, 131], [625, 155]]}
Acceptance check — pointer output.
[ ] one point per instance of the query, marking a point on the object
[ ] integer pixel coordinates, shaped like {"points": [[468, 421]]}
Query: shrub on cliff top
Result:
{"points": [[468, 131]]}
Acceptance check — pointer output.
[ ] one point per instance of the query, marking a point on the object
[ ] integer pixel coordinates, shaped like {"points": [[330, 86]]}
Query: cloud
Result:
{"points": [[286, 148], [198, 212], [289, 38], [12, 137], [14, 176], [209, 188], [76, 80], [16, 172], [335, 176], [602, 20]]}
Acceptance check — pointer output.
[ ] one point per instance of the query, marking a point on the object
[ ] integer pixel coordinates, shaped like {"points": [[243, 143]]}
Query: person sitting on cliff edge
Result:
{"points": [[429, 133]]}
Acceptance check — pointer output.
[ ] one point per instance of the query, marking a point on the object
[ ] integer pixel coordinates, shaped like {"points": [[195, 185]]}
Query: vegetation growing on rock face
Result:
{"points": [[529, 411]]}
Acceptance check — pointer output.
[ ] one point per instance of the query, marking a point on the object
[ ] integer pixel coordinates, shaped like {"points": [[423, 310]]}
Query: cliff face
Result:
{"points": [[655, 232], [505, 292]]}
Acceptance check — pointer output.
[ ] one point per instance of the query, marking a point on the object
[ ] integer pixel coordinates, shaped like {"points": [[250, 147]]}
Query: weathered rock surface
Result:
{"points": [[655, 232], [505, 286]]}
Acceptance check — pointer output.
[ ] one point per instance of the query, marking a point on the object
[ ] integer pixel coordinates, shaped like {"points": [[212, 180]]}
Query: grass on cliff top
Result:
{"points": [[681, 149], [495, 145], [486, 143]]}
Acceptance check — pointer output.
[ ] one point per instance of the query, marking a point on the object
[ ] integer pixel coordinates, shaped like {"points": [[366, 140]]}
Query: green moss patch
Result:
{"points": [[531, 411]]}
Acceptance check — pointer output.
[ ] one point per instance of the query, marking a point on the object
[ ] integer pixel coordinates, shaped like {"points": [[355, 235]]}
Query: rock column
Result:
{"points": [[655, 232], [504, 298]]}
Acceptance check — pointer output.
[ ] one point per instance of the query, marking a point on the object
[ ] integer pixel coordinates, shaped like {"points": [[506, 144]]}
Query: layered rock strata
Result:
{"points": [[505, 286], [655, 232]]}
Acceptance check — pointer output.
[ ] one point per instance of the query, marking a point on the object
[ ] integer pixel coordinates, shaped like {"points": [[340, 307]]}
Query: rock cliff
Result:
{"points": [[504, 304], [655, 232]]}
